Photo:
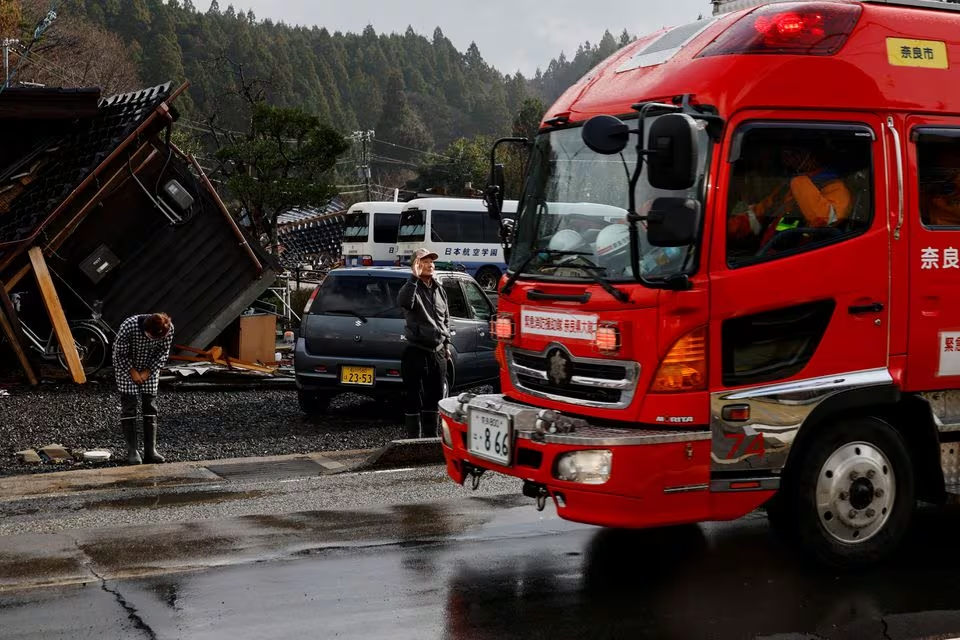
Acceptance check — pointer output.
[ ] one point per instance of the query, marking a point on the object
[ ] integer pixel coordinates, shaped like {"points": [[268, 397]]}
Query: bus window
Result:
{"points": [[412, 226], [458, 226], [356, 227], [385, 227]]}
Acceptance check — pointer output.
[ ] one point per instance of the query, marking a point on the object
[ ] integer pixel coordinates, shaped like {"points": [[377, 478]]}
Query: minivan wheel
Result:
{"points": [[312, 403], [854, 494]]}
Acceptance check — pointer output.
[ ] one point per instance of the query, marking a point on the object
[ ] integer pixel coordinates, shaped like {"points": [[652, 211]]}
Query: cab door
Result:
{"points": [[794, 299], [932, 206]]}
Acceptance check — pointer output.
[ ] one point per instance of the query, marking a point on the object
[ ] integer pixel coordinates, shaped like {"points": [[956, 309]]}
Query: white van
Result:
{"points": [[370, 234], [460, 230]]}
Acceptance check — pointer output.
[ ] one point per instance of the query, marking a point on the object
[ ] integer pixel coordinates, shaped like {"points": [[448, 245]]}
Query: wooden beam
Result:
{"points": [[11, 327], [17, 277], [57, 318]]}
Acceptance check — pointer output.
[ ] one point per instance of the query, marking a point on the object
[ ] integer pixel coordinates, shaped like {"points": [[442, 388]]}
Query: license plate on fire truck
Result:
{"points": [[490, 436]]}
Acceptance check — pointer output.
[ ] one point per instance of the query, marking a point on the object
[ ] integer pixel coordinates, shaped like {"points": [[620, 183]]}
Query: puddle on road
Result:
{"points": [[18, 566], [174, 499], [135, 483]]}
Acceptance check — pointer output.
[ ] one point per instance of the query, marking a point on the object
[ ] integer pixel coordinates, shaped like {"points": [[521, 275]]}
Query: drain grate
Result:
{"points": [[280, 470]]}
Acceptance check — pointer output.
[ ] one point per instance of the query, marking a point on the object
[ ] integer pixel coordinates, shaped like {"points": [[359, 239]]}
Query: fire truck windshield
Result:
{"points": [[571, 221]]}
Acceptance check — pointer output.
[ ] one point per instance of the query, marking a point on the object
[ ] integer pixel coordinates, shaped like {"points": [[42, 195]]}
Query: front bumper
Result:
{"points": [[657, 477]]}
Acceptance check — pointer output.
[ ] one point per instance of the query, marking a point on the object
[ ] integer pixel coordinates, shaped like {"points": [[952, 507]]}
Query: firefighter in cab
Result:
{"points": [[813, 196]]}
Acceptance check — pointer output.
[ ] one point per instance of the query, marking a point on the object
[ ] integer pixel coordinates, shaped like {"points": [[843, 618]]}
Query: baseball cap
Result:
{"points": [[424, 253]]}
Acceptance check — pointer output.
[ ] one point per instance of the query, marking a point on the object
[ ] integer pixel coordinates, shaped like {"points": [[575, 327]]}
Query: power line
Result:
{"points": [[400, 146]]}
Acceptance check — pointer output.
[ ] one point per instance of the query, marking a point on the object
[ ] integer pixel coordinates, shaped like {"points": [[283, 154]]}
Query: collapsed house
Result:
{"points": [[102, 217]]}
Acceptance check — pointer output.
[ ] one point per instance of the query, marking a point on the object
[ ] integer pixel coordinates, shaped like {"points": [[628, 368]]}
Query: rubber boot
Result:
{"points": [[411, 424], [431, 424], [129, 428], [150, 454]]}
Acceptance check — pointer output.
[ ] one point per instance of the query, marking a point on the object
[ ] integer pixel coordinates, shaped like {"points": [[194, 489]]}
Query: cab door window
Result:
{"points": [[938, 169], [795, 188]]}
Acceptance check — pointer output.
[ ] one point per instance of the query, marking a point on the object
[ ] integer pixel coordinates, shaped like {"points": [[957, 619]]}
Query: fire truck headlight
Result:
{"points": [[585, 467]]}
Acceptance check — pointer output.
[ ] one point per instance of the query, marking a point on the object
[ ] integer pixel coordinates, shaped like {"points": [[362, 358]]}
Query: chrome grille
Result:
{"points": [[593, 382]]}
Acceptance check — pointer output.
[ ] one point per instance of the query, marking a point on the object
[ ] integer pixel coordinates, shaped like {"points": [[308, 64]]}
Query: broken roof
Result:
{"points": [[58, 165]]}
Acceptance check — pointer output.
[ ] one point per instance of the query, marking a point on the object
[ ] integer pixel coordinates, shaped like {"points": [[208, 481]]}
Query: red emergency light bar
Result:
{"points": [[807, 28]]}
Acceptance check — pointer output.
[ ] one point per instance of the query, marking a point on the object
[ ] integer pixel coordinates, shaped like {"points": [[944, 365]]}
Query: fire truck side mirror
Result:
{"points": [[495, 190], [673, 222], [672, 157], [605, 135]]}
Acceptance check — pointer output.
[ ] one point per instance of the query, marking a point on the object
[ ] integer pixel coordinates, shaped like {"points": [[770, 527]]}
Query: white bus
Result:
{"points": [[460, 230], [370, 234]]}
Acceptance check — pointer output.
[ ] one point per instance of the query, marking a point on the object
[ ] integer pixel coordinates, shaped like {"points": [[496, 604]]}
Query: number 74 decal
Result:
{"points": [[745, 445]]}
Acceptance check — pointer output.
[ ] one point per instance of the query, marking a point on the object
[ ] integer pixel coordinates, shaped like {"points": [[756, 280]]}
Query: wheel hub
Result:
{"points": [[855, 492], [861, 493]]}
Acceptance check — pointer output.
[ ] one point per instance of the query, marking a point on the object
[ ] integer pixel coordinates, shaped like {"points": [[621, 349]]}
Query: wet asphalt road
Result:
{"points": [[406, 554]]}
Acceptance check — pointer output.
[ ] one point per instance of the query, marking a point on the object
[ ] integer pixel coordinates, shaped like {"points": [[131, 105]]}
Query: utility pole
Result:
{"points": [[363, 166], [6, 43]]}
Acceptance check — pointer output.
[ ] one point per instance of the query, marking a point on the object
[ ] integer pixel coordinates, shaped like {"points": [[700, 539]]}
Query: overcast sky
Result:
{"points": [[513, 35]]}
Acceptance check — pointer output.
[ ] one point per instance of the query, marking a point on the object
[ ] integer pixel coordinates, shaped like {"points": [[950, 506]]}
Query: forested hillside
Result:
{"points": [[413, 90]]}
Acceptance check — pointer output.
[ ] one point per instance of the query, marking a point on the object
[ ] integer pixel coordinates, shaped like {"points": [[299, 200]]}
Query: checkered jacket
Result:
{"points": [[133, 349]]}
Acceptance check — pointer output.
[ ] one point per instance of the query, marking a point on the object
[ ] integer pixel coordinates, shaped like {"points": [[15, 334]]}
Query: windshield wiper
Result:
{"points": [[589, 269], [346, 312], [619, 294], [546, 253]]}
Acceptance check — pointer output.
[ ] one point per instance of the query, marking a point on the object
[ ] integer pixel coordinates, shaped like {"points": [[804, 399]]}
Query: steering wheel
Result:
{"points": [[780, 237]]}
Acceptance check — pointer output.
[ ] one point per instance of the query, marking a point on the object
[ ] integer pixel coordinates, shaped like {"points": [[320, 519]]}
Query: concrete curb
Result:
{"points": [[404, 453], [396, 454]]}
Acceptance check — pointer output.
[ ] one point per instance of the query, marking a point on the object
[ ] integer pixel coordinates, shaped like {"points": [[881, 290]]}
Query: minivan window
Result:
{"points": [[455, 300], [367, 295], [478, 300]]}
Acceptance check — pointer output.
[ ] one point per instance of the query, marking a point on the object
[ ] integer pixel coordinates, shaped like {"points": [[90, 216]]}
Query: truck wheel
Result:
{"points": [[313, 403], [854, 494]]}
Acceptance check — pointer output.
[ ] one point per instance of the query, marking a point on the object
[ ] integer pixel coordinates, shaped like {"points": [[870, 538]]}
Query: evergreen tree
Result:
{"points": [[284, 161]]}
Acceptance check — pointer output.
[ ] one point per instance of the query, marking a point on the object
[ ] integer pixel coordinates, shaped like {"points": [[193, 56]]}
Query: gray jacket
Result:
{"points": [[426, 313]]}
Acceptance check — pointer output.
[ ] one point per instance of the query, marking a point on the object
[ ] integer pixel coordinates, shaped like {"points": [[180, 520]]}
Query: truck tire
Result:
{"points": [[852, 496], [313, 403]]}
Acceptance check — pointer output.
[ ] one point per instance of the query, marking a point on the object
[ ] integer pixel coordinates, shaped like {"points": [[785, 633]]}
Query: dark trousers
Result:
{"points": [[128, 405], [423, 373]]}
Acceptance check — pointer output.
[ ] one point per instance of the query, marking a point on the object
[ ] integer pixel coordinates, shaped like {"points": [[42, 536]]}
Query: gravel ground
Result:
{"points": [[194, 424]]}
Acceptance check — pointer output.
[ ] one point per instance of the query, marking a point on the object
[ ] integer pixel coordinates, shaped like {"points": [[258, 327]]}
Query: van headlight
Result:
{"points": [[585, 467]]}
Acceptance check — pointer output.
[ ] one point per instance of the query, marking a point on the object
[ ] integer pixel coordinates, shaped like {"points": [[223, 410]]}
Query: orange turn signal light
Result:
{"points": [[684, 368]]}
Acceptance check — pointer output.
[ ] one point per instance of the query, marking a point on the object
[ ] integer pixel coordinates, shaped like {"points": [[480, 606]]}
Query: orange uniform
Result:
{"points": [[819, 200]]}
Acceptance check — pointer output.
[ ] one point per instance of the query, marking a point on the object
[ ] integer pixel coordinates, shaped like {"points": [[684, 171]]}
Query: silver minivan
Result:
{"points": [[351, 338]]}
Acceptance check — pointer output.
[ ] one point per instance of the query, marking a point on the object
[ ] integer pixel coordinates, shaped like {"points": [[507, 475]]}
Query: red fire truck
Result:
{"points": [[731, 282]]}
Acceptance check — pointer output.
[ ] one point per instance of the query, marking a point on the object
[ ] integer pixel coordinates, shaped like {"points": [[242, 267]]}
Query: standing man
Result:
{"points": [[427, 332], [141, 349]]}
